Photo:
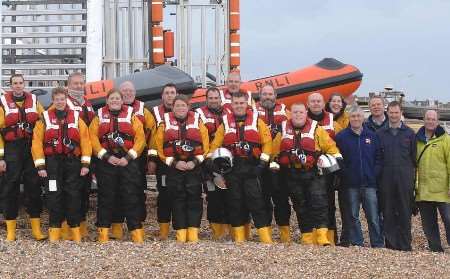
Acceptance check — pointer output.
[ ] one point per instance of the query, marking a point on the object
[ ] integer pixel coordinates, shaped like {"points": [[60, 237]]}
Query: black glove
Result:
{"points": [[209, 164]]}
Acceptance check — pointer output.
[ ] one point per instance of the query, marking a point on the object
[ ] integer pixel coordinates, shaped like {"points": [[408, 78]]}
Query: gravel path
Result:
{"points": [[211, 259]]}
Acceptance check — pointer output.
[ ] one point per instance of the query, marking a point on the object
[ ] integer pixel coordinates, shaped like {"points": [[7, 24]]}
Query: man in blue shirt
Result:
{"points": [[362, 153]]}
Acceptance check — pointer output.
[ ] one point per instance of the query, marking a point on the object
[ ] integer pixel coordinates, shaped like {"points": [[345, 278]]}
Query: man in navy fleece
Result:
{"points": [[362, 163]]}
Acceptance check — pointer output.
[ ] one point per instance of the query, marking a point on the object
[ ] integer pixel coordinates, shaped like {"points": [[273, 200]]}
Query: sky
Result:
{"points": [[402, 43]]}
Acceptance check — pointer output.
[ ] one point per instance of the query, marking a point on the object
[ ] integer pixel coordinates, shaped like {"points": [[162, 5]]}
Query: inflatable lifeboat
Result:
{"points": [[327, 77]]}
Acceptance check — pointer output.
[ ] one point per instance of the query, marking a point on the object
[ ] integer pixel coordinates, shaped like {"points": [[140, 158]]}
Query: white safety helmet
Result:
{"points": [[327, 164], [222, 161]]}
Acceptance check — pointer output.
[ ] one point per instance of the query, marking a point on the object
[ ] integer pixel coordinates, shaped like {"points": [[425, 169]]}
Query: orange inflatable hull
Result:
{"points": [[327, 77]]}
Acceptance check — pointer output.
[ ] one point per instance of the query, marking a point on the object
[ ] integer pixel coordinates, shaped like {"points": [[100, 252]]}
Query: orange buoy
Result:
{"points": [[158, 45], [235, 18], [157, 11], [169, 46], [235, 49]]}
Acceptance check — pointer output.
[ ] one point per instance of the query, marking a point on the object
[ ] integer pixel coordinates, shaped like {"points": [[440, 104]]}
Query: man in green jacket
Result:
{"points": [[433, 179]]}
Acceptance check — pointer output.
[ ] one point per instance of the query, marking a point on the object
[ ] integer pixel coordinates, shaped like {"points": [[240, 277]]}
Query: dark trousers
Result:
{"points": [[65, 202], [276, 197], [397, 199], [367, 197], [216, 207], [20, 167], [85, 182], [344, 209], [185, 194], [116, 181], [428, 213], [118, 211], [163, 209], [245, 195], [309, 195]]}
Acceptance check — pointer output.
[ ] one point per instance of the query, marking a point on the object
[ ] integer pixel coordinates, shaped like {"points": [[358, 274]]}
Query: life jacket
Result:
{"points": [[138, 110], [293, 146], [210, 119], [243, 140], [87, 112], [225, 97], [61, 137], [273, 117], [327, 123], [19, 120], [116, 133], [182, 140], [158, 112]]}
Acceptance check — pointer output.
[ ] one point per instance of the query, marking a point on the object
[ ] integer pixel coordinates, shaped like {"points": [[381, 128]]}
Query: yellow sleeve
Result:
{"points": [[217, 141], [2, 125], [139, 138], [85, 143], [337, 127], [276, 145], [40, 109], [325, 144], [205, 141], [97, 148], [159, 142], [150, 131], [266, 141], [37, 144]]}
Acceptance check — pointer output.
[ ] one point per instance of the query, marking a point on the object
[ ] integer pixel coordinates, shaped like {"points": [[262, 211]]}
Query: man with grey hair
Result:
{"points": [[378, 117], [433, 179], [362, 164]]}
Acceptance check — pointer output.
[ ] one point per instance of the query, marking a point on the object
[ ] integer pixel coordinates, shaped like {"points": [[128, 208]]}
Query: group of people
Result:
{"points": [[252, 160]]}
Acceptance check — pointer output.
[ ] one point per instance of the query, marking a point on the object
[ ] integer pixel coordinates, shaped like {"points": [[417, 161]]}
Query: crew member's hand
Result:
{"points": [[2, 166], [181, 165], [190, 165], [123, 162], [42, 173], [84, 171], [113, 160], [151, 168]]}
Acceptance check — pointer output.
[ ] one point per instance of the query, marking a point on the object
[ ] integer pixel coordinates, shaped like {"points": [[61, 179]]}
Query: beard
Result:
{"points": [[268, 104]]}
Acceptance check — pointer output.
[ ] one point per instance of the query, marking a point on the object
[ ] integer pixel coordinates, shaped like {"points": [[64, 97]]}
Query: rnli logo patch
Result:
{"points": [[232, 125], [106, 115], [173, 123], [13, 105], [368, 141], [53, 121]]}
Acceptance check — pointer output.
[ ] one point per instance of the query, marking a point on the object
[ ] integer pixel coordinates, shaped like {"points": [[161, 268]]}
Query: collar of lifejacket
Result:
{"points": [[217, 111], [61, 114], [114, 112], [317, 117], [240, 118], [18, 98]]}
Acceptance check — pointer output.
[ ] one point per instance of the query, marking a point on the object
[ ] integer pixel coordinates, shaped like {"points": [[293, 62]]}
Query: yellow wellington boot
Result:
{"points": [[65, 231], [164, 231], [217, 230], [54, 234], [103, 236], [137, 235], [117, 231], [11, 230], [248, 231], [331, 235], [322, 238], [265, 235], [181, 235], [227, 230], [285, 234], [36, 229], [84, 229], [238, 234], [192, 234], [307, 238], [314, 236], [76, 234]]}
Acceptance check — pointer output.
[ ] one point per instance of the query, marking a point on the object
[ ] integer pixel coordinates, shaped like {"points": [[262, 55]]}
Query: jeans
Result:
{"points": [[428, 213], [367, 197]]}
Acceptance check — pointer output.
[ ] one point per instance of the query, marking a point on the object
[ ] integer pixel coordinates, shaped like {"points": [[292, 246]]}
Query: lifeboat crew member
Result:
{"points": [[273, 113], [248, 138], [19, 112], [182, 142], [117, 139], [159, 168], [61, 151], [297, 148], [233, 85], [316, 111]]}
